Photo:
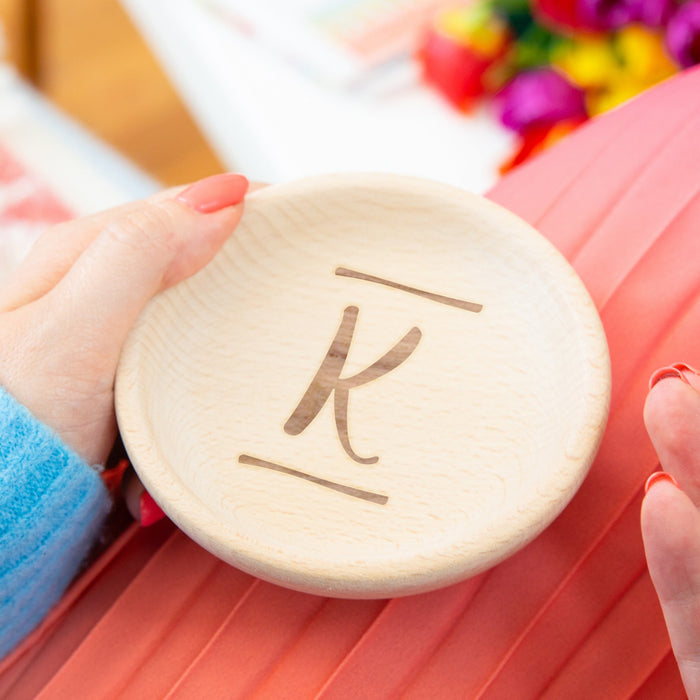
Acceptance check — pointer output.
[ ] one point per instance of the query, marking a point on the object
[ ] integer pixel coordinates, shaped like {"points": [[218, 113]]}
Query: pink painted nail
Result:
{"points": [[683, 367], [149, 511], [666, 373], [657, 477], [214, 193]]}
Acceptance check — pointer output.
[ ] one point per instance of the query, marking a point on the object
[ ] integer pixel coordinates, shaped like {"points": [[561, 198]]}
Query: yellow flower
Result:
{"points": [[643, 63], [642, 54], [603, 100], [475, 27], [588, 61]]}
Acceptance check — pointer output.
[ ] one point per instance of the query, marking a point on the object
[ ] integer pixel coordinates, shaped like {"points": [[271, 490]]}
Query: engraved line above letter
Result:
{"points": [[441, 299]]}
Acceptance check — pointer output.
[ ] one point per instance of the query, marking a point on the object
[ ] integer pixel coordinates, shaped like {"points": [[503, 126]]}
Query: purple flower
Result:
{"points": [[539, 97], [653, 13], [605, 14], [683, 34], [613, 14]]}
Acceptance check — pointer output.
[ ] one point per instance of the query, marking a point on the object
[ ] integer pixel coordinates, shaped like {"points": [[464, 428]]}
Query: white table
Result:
{"points": [[269, 121]]}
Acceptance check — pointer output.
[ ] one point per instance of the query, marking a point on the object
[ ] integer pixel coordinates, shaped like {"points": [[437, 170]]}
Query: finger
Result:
{"points": [[672, 417], [57, 249], [139, 502], [60, 246], [137, 255], [671, 532]]}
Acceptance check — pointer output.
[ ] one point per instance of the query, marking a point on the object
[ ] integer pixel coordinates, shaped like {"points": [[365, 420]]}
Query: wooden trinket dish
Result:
{"points": [[380, 386]]}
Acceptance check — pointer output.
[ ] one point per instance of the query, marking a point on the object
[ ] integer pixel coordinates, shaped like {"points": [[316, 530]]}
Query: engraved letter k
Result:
{"points": [[327, 381]]}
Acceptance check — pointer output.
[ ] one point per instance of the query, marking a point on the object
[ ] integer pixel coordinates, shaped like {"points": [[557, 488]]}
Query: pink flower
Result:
{"points": [[683, 34], [539, 97]]}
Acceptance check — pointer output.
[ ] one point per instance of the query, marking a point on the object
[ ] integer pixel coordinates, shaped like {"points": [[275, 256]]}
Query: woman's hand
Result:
{"points": [[65, 313], [670, 516]]}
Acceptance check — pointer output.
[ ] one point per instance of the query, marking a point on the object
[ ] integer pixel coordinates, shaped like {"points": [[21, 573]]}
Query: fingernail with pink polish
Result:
{"points": [[683, 367], [666, 373], [150, 512], [214, 193], [657, 477]]}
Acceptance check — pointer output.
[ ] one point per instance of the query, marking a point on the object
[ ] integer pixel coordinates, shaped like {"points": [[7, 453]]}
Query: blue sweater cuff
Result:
{"points": [[52, 506]]}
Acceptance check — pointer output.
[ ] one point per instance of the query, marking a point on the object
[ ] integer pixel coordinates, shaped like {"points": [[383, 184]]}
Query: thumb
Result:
{"points": [[671, 531], [144, 251], [59, 353]]}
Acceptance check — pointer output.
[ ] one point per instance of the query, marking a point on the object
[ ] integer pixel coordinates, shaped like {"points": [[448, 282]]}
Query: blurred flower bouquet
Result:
{"points": [[549, 65]]}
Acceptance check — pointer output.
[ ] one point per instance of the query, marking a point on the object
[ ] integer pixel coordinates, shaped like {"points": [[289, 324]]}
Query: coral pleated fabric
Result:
{"points": [[573, 615]]}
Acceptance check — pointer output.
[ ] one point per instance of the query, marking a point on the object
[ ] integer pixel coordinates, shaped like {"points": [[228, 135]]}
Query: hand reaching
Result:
{"points": [[670, 515]]}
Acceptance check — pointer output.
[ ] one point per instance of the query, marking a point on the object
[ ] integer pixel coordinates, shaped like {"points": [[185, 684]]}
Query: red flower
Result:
{"points": [[558, 14], [458, 49], [454, 69]]}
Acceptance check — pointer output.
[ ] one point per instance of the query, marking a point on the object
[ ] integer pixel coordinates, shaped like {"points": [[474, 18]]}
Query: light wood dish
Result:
{"points": [[380, 386]]}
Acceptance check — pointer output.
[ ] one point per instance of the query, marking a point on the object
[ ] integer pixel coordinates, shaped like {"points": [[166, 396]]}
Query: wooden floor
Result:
{"points": [[89, 59]]}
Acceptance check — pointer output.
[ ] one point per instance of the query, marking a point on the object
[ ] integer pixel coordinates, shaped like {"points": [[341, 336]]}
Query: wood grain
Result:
{"points": [[18, 19], [480, 428]]}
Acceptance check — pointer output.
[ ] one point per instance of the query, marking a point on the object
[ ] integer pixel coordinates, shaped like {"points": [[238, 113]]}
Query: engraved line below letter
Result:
{"points": [[377, 498]]}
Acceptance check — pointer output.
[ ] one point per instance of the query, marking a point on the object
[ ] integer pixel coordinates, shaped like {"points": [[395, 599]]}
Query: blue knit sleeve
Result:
{"points": [[52, 506]]}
